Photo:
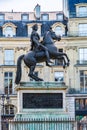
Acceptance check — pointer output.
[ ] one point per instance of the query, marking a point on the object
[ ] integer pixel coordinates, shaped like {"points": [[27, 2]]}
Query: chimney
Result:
{"points": [[37, 12]]}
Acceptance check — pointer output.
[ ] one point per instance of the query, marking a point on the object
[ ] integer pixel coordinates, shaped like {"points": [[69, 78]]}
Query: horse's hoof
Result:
{"points": [[47, 64], [64, 67], [40, 79], [67, 64]]}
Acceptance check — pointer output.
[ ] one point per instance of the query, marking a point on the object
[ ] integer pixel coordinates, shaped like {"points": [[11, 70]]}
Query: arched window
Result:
{"points": [[30, 29], [8, 31], [58, 30], [81, 9]]}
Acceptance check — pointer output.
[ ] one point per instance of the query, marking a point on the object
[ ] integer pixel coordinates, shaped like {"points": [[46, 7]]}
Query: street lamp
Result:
{"points": [[4, 98]]}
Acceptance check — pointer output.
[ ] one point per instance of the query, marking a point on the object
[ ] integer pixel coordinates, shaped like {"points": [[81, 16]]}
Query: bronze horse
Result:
{"points": [[32, 57]]}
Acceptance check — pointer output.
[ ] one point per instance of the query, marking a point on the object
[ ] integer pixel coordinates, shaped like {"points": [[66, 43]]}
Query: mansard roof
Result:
{"points": [[22, 28]]}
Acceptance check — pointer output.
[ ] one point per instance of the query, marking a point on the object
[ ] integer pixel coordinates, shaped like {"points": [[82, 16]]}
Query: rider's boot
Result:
{"points": [[49, 61], [48, 58], [47, 64]]}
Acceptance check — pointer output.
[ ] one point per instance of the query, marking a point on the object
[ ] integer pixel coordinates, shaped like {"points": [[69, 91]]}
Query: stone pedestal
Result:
{"points": [[42, 106]]}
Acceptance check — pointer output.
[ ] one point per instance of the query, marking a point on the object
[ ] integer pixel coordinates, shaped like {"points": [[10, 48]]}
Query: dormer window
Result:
{"points": [[25, 17], [59, 17], [82, 11], [30, 29], [2, 17], [9, 30], [59, 28], [45, 17]]}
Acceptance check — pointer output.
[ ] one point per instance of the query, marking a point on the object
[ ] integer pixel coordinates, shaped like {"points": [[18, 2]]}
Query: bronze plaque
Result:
{"points": [[42, 100]]}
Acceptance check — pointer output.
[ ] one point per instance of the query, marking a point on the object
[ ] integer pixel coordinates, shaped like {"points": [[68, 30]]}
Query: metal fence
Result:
{"points": [[5, 125], [43, 124]]}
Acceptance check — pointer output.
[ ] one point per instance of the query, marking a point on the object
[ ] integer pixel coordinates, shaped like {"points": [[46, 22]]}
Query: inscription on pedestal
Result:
{"points": [[42, 100]]}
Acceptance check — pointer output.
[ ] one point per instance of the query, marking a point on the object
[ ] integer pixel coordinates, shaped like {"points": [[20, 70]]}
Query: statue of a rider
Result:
{"points": [[37, 46]]}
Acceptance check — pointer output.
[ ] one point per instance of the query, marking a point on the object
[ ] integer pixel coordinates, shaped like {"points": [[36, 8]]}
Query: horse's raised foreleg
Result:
{"points": [[67, 59], [60, 54], [63, 60], [32, 75]]}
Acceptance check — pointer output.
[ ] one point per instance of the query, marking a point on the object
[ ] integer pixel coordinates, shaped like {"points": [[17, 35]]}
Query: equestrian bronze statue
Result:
{"points": [[40, 53]]}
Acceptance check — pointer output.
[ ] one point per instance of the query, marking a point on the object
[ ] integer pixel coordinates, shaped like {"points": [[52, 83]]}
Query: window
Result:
{"points": [[39, 64], [45, 17], [59, 61], [30, 28], [25, 17], [80, 104], [59, 17], [82, 11], [8, 82], [9, 110], [82, 29], [83, 80], [59, 76], [9, 57], [82, 55], [2, 17], [58, 30], [9, 31], [77, 104]]}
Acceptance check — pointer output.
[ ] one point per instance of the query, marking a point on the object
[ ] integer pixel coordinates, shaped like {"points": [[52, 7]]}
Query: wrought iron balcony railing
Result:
{"points": [[75, 91], [81, 62], [78, 14], [77, 34]]}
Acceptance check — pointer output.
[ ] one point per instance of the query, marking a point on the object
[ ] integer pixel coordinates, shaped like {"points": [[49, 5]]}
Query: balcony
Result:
{"points": [[73, 91]]}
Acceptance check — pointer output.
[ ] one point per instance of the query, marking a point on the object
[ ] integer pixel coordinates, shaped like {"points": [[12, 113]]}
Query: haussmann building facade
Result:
{"points": [[15, 31]]}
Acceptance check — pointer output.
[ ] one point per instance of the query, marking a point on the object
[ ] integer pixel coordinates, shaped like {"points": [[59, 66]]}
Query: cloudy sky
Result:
{"points": [[28, 5]]}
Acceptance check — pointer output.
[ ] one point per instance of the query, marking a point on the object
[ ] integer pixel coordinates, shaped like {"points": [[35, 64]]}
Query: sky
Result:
{"points": [[29, 5]]}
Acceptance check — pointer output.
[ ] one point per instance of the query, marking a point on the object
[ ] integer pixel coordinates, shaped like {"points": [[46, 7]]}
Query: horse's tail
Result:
{"points": [[18, 72]]}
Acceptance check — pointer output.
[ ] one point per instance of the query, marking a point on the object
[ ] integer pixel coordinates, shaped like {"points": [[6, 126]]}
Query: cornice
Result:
{"points": [[21, 48], [15, 39], [77, 19], [74, 38]]}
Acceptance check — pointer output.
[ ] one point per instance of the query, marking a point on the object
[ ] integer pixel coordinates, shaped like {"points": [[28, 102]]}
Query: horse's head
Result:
{"points": [[54, 36], [50, 36]]}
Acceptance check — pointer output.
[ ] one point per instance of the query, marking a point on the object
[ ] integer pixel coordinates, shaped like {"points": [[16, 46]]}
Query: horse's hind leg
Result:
{"points": [[32, 68]]}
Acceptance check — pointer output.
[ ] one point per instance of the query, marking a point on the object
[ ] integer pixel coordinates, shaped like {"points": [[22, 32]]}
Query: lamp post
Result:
{"points": [[4, 98]]}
